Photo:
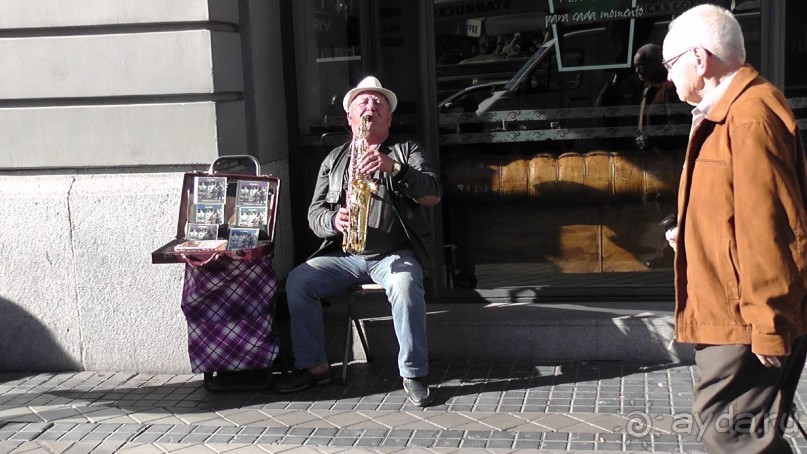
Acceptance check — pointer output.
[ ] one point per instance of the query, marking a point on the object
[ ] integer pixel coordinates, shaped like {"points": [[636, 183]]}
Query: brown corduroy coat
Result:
{"points": [[741, 265]]}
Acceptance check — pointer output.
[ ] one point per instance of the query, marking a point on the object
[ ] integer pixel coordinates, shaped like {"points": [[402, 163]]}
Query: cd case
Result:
{"points": [[201, 245], [243, 238], [209, 190]]}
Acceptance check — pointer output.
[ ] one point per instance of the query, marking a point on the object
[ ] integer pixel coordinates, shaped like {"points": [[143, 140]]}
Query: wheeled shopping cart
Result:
{"points": [[225, 238]]}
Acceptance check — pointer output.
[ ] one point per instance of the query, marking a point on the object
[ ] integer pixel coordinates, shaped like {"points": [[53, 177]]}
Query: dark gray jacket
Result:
{"points": [[416, 180]]}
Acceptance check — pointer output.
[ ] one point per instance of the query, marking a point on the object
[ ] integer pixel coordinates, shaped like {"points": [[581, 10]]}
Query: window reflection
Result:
{"points": [[795, 54], [550, 134], [539, 122], [328, 58]]}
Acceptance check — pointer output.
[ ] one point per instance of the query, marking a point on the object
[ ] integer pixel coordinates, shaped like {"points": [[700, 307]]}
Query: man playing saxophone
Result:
{"points": [[393, 253]]}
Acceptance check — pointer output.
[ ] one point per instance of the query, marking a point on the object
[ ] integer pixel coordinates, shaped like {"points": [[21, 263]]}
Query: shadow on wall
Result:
{"points": [[27, 345]]}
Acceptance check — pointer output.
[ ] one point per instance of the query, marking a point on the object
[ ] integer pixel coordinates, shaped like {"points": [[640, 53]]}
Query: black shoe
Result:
{"points": [[302, 379], [418, 392]]}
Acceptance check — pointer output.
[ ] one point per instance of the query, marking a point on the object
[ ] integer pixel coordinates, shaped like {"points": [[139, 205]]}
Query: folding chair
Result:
{"points": [[352, 320]]}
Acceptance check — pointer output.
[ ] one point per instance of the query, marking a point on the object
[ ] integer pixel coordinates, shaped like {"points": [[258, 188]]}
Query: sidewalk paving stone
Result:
{"points": [[490, 408]]}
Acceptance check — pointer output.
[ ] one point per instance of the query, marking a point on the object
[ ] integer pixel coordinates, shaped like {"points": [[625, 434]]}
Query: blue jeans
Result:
{"points": [[320, 277]]}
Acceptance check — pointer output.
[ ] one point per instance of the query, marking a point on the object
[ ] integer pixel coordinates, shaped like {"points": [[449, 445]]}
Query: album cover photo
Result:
{"points": [[243, 238], [251, 216], [202, 231], [208, 213], [253, 193], [209, 189]]}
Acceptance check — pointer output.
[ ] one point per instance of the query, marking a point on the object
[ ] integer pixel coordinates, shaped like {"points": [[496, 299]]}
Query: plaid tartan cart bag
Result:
{"points": [[229, 307], [225, 238]]}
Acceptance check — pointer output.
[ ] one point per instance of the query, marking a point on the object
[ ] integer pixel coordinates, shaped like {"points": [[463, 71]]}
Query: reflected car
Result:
{"points": [[465, 101]]}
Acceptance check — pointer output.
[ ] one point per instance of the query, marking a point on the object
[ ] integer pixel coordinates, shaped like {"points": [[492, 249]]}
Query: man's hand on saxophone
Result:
{"points": [[374, 160], [341, 220]]}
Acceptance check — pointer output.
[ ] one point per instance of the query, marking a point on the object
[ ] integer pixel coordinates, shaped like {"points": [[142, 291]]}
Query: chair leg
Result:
{"points": [[363, 339], [348, 342], [351, 322]]}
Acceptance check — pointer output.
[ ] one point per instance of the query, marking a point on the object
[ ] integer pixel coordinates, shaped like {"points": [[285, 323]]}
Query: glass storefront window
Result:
{"points": [[795, 54], [539, 107], [337, 44], [328, 59], [558, 158]]}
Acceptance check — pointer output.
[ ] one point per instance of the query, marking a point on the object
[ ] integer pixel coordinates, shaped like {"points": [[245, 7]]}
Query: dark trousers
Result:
{"points": [[743, 405]]}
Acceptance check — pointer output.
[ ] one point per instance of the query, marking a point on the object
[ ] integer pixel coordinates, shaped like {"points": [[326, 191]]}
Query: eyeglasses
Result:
{"points": [[668, 64]]}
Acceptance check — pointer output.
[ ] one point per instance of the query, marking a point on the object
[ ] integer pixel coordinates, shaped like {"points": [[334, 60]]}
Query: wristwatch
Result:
{"points": [[396, 167]]}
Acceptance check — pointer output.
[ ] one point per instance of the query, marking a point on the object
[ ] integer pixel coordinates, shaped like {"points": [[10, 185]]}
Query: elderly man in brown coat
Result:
{"points": [[741, 240]]}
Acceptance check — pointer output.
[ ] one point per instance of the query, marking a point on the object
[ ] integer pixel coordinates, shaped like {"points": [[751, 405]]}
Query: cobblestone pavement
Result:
{"points": [[577, 407]]}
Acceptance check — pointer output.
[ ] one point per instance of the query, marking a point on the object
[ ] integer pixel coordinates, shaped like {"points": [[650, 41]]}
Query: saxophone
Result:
{"points": [[359, 191]]}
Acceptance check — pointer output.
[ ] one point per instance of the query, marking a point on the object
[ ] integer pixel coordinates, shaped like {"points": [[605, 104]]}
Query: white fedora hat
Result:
{"points": [[370, 83]]}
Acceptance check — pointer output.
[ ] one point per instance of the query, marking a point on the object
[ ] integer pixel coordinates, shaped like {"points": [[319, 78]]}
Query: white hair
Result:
{"points": [[713, 28]]}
